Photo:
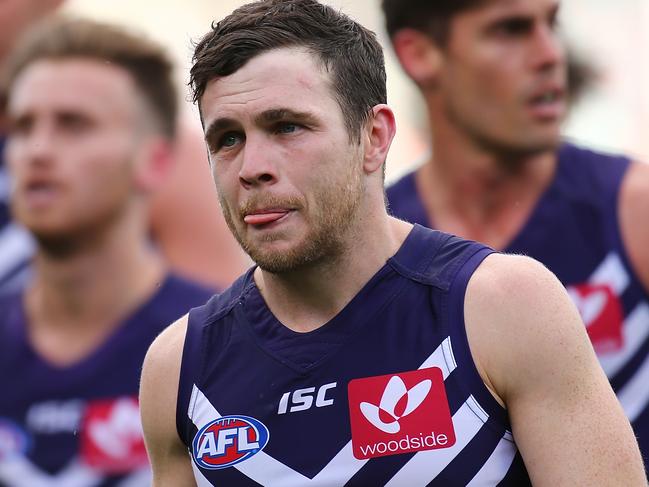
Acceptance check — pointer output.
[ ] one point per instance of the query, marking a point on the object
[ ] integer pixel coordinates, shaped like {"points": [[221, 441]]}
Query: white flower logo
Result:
{"points": [[394, 392]]}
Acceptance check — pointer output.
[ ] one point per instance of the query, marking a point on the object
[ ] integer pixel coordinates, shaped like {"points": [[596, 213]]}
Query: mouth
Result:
{"points": [[548, 104], [266, 216], [39, 193]]}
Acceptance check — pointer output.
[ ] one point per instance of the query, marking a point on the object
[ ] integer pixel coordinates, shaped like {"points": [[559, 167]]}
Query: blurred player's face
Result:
{"points": [[503, 75], [75, 126], [288, 177]]}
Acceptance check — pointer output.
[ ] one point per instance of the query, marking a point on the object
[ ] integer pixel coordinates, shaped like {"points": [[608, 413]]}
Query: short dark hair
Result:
{"points": [[432, 17], [146, 62], [347, 50]]}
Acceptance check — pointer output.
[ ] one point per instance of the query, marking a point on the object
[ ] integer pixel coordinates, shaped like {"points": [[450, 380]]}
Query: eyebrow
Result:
{"points": [[217, 126], [267, 116], [278, 114]]}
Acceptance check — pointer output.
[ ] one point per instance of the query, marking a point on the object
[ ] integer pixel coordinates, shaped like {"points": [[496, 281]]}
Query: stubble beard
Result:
{"points": [[331, 225], [511, 151]]}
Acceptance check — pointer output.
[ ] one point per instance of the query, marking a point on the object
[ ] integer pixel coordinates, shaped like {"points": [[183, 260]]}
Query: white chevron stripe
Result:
{"points": [[15, 246], [268, 471], [634, 396], [497, 465], [19, 471], [442, 357], [200, 479], [261, 467], [611, 272], [634, 333], [424, 466]]}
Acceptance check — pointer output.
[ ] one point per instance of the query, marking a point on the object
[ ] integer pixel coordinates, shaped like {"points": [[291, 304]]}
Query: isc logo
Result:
{"points": [[302, 399], [228, 440]]}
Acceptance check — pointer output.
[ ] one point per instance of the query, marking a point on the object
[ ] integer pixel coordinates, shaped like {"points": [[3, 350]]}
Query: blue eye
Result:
{"points": [[229, 140], [286, 128]]}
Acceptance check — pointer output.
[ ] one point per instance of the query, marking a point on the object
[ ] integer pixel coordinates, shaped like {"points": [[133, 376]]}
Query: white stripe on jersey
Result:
{"points": [[496, 467], [419, 469], [442, 357], [268, 471], [634, 333], [16, 246], [19, 471], [611, 272], [200, 479], [260, 467], [634, 396]]}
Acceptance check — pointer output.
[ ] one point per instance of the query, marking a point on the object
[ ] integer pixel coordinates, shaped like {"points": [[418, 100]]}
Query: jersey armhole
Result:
{"points": [[189, 371], [471, 379]]}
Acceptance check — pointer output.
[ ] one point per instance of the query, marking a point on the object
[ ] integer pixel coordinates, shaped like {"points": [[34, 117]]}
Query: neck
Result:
{"points": [[307, 298], [481, 194], [96, 282]]}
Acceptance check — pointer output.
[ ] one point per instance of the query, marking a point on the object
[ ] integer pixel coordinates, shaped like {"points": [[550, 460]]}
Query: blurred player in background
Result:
{"points": [[494, 78], [91, 114], [184, 220], [16, 246]]}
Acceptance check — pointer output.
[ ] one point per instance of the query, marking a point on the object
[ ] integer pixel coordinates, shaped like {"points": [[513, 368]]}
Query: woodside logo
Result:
{"points": [[400, 413]]}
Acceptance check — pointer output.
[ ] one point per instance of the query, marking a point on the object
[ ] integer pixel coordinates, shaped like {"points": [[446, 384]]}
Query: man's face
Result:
{"points": [[288, 177], [74, 129], [503, 76]]}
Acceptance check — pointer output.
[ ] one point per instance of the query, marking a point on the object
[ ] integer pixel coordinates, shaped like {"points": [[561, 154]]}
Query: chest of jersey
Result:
{"points": [[383, 403]]}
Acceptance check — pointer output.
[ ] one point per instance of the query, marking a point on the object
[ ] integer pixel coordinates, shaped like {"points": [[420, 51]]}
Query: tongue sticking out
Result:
{"points": [[263, 218]]}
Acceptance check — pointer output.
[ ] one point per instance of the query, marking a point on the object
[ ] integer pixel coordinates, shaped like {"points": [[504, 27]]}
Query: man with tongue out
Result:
{"points": [[360, 350], [493, 76]]}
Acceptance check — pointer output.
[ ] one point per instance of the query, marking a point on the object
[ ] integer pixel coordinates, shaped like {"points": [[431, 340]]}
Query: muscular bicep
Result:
{"points": [[533, 351], [158, 395]]}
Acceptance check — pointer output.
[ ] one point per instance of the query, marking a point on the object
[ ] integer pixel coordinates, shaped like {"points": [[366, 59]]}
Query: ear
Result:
{"points": [[380, 130], [155, 163], [418, 54]]}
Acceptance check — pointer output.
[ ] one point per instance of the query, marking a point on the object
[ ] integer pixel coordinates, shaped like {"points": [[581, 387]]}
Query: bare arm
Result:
{"points": [[634, 219], [158, 394], [533, 352]]}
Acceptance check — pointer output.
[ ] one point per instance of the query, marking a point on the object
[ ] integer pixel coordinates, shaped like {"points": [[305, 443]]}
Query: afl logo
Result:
{"points": [[227, 441]]}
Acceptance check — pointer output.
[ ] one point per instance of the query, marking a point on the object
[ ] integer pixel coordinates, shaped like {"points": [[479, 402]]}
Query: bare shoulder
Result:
{"points": [[158, 397], [514, 287], [633, 214], [532, 351], [161, 372], [518, 315], [167, 346]]}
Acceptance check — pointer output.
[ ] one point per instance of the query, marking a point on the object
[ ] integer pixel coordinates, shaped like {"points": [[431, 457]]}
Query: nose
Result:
{"points": [[549, 50], [257, 166]]}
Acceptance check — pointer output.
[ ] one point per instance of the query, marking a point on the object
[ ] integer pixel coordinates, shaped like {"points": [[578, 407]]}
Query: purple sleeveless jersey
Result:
{"points": [[386, 393], [574, 230], [79, 425]]}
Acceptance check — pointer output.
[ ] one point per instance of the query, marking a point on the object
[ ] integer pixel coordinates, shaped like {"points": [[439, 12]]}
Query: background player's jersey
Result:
{"points": [[79, 425], [574, 230], [16, 245], [386, 393]]}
